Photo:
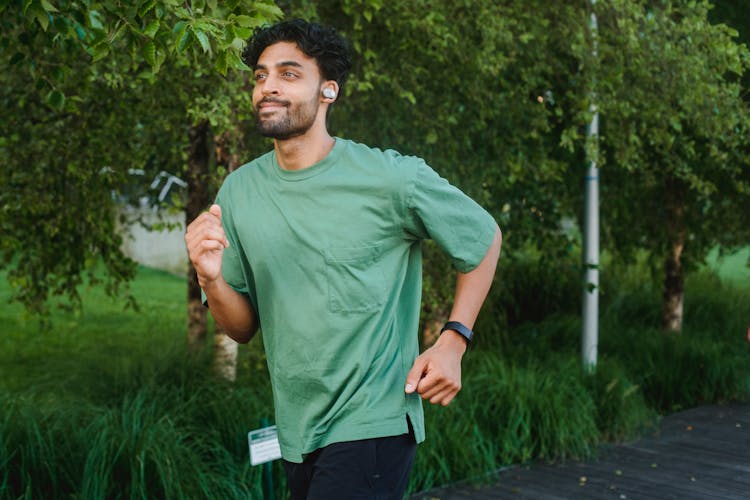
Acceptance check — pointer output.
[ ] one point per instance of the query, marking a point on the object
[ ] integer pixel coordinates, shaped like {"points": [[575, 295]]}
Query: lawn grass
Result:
{"points": [[103, 342], [731, 268], [108, 403]]}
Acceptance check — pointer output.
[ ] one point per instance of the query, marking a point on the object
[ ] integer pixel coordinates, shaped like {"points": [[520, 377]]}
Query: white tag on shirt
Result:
{"points": [[264, 445]]}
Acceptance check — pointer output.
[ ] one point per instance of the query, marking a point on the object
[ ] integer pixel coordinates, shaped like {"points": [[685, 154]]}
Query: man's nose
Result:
{"points": [[270, 85]]}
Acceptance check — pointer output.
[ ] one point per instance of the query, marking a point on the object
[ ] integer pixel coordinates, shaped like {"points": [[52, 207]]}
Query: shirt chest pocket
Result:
{"points": [[356, 282]]}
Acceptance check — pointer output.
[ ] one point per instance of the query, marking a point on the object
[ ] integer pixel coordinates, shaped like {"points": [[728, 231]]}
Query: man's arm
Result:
{"points": [[436, 373], [232, 311], [205, 240]]}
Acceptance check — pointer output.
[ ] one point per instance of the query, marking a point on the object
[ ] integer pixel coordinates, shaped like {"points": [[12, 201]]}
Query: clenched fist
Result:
{"points": [[206, 241], [436, 373]]}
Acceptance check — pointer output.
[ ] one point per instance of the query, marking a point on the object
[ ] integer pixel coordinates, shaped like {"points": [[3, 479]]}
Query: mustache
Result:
{"points": [[273, 100]]}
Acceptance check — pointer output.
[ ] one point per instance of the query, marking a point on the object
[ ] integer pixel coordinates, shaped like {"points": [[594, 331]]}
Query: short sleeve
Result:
{"points": [[437, 210], [231, 264]]}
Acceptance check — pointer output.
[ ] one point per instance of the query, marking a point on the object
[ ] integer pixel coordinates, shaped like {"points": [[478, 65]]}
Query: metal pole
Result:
{"points": [[590, 334]]}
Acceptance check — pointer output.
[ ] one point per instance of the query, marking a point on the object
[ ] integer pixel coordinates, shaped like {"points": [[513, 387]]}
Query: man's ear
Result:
{"points": [[329, 90]]}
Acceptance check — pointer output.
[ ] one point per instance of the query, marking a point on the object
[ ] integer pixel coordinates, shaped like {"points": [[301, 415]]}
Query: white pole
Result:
{"points": [[590, 334]]}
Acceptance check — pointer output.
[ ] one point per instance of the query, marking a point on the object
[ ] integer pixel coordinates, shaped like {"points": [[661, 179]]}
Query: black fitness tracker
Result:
{"points": [[459, 328]]}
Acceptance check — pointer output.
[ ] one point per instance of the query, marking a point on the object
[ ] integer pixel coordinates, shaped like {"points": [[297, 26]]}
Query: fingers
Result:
{"points": [[215, 210], [415, 375], [197, 236], [207, 226], [443, 398], [208, 245], [438, 388], [206, 240], [435, 377]]}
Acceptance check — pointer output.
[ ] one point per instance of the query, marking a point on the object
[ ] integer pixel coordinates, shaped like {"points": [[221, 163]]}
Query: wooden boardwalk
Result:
{"points": [[702, 453]]}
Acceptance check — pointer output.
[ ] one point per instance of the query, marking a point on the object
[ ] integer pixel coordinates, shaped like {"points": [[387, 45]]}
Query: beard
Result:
{"points": [[294, 120]]}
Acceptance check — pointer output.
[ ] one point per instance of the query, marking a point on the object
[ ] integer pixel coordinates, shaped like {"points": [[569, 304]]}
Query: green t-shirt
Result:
{"points": [[330, 258]]}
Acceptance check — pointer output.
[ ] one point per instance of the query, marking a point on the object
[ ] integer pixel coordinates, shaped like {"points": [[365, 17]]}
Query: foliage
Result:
{"points": [[707, 364], [506, 414], [91, 92], [143, 35], [533, 285], [154, 442], [111, 403], [56, 211], [737, 16], [494, 95], [674, 128]]}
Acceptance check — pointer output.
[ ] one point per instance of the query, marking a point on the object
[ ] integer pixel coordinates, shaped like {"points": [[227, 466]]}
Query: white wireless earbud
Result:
{"points": [[329, 93]]}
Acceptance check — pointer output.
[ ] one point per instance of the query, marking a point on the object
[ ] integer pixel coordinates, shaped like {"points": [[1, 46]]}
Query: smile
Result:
{"points": [[271, 105]]}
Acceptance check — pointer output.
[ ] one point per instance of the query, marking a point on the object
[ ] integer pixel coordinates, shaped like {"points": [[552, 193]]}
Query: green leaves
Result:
{"points": [[673, 127], [182, 36], [149, 53], [151, 29], [244, 21], [495, 95], [86, 100], [146, 7], [202, 39], [39, 10], [264, 10], [56, 100], [154, 31], [98, 52]]}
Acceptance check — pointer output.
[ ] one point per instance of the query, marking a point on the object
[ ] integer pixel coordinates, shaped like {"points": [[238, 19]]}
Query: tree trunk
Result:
{"points": [[672, 305], [225, 349], [224, 355], [673, 289], [199, 159]]}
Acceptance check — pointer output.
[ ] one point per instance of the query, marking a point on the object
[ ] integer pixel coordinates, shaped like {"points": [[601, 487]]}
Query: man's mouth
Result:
{"points": [[270, 105]]}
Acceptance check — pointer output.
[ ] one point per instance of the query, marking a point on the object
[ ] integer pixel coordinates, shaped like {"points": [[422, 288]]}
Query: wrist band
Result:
{"points": [[461, 329]]}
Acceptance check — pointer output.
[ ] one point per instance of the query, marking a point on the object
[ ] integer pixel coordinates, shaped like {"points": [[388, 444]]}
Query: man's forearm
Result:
{"points": [[436, 373], [472, 287], [231, 310]]}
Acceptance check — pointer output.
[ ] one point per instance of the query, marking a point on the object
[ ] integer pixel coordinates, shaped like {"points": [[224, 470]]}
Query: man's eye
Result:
{"points": [[260, 76], [289, 74]]}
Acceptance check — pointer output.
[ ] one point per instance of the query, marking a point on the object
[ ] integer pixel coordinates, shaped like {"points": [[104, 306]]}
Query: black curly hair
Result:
{"points": [[322, 43]]}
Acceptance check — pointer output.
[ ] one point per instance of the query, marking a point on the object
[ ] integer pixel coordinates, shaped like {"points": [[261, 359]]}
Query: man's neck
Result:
{"points": [[303, 151]]}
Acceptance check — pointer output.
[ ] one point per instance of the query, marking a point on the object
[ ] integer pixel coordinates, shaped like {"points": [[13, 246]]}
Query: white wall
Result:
{"points": [[159, 249]]}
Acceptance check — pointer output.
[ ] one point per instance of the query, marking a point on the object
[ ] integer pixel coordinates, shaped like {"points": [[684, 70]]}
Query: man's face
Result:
{"points": [[287, 89]]}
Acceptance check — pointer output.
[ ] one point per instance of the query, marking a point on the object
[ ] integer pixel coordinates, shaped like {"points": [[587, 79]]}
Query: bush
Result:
{"points": [[178, 435], [709, 362], [110, 404], [41, 446], [681, 371], [621, 410], [512, 413]]}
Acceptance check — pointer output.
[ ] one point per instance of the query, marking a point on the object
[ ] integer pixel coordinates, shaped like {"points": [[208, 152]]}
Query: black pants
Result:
{"points": [[367, 469]]}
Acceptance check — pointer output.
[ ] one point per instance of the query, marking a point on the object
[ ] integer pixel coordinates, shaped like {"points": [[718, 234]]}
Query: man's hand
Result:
{"points": [[436, 373], [206, 241]]}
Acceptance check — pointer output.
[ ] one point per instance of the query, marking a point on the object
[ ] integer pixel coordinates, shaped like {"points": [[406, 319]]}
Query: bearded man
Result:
{"points": [[318, 243]]}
